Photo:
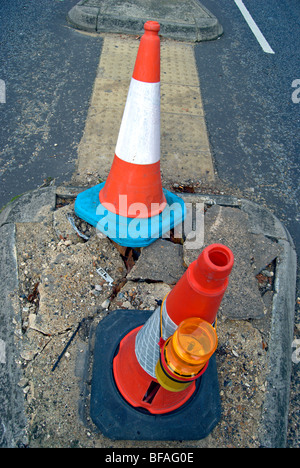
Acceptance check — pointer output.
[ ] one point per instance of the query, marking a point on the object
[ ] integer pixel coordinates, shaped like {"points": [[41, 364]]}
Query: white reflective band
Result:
{"points": [[146, 343], [168, 326], [139, 136]]}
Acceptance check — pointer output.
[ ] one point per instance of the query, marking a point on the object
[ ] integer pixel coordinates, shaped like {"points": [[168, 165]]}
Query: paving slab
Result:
{"points": [[30, 207], [54, 299], [161, 261], [230, 225], [187, 21]]}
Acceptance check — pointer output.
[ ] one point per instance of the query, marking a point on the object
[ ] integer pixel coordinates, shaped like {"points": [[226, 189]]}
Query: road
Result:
{"points": [[48, 70], [252, 120], [252, 108]]}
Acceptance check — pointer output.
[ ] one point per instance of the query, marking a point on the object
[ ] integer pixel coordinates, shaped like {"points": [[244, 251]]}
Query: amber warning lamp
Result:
{"points": [[184, 356]]}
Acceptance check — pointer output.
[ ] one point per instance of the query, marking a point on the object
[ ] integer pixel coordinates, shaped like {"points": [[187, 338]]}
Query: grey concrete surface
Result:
{"points": [[188, 21]]}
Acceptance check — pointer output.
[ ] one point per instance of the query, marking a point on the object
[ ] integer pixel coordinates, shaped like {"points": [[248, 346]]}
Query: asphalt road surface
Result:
{"points": [[252, 109], [48, 70]]}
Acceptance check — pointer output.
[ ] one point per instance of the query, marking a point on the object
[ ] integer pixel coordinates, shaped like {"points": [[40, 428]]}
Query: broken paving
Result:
{"points": [[63, 298]]}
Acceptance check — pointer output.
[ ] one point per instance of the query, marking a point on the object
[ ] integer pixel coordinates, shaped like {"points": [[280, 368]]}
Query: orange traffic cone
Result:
{"points": [[135, 171], [202, 287], [198, 293], [140, 389], [133, 188]]}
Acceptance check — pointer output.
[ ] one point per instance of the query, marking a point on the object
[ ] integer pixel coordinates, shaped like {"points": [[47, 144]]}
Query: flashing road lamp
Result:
{"points": [[185, 355]]}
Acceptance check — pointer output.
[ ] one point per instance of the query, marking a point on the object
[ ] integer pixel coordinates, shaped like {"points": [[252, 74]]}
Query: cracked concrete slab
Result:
{"points": [[160, 261], [227, 225]]}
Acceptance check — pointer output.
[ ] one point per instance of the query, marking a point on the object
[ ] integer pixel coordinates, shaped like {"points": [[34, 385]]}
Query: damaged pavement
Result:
{"points": [[56, 298]]}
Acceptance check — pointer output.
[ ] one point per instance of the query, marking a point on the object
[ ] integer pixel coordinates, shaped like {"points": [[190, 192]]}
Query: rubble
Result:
{"points": [[63, 298]]}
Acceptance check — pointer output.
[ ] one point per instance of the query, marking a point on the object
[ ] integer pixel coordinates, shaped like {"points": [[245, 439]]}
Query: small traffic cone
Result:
{"points": [[133, 189], [202, 286], [198, 293], [140, 389]]}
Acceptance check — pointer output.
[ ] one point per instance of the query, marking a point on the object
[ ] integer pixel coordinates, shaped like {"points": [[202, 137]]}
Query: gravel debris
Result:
{"points": [[63, 299]]}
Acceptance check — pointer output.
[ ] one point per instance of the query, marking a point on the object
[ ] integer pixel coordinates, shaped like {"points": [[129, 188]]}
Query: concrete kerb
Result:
{"points": [[184, 21], [31, 208], [275, 415], [12, 414]]}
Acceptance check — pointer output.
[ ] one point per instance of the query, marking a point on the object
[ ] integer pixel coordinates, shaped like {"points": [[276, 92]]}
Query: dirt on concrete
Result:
{"points": [[63, 298]]}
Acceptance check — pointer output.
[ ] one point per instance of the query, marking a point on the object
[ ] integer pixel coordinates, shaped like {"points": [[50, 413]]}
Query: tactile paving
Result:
{"points": [[185, 149]]}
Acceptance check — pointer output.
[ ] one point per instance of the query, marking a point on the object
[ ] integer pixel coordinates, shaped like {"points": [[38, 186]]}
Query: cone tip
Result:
{"points": [[153, 26], [219, 257]]}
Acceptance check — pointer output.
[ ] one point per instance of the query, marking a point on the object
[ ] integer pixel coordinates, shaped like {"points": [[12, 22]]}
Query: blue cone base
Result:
{"points": [[129, 232]]}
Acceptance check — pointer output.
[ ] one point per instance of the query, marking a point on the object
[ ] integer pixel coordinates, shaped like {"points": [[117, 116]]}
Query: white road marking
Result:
{"points": [[254, 28], [2, 352], [2, 92]]}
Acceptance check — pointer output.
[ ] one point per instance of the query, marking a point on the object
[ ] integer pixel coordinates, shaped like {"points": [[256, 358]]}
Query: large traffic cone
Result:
{"points": [[198, 293], [135, 171], [133, 188]]}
